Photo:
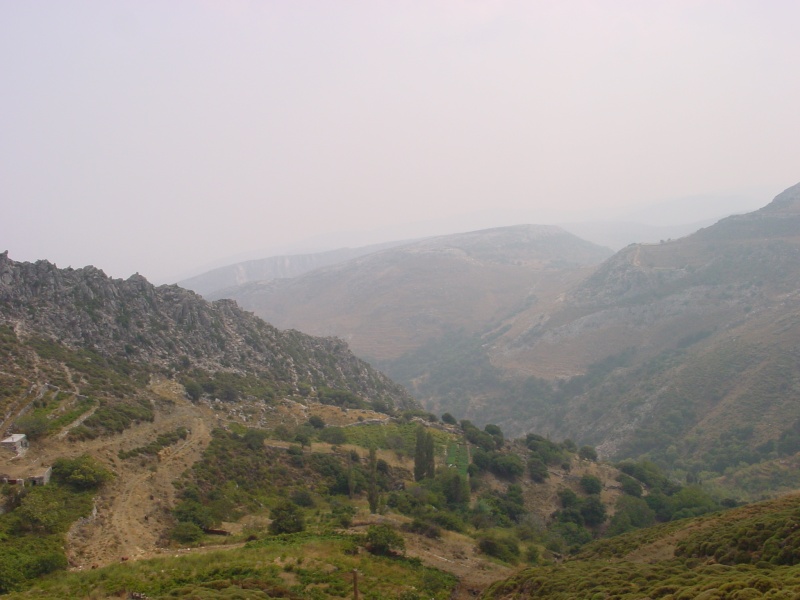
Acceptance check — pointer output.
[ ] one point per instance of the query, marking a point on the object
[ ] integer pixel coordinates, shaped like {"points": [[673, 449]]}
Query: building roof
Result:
{"points": [[14, 438]]}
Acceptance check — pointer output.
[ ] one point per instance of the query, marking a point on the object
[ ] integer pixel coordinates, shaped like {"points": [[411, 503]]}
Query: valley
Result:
{"points": [[571, 423], [659, 346], [399, 300]]}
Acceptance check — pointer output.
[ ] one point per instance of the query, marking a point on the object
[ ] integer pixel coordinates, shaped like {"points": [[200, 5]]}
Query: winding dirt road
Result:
{"points": [[132, 512]]}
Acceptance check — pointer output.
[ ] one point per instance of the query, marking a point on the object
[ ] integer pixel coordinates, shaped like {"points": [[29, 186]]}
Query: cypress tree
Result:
{"points": [[372, 489], [430, 464], [424, 460], [419, 455]]}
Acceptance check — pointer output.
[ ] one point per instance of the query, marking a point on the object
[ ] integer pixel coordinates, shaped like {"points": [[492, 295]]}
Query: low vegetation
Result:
{"points": [[153, 448], [36, 519], [750, 552], [284, 566]]}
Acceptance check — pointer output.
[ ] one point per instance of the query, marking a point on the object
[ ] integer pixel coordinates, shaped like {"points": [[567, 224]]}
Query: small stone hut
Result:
{"points": [[17, 442], [41, 478]]}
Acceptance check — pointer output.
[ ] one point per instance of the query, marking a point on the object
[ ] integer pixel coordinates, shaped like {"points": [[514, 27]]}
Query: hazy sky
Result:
{"points": [[162, 136]]}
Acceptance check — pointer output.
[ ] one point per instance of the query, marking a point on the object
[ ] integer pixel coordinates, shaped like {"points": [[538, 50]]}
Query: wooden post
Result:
{"points": [[355, 584]]}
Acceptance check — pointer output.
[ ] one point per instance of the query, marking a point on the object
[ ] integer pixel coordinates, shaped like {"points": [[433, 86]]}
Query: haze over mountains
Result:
{"points": [[536, 330], [682, 355], [660, 221], [399, 300], [703, 331], [276, 267], [391, 302]]}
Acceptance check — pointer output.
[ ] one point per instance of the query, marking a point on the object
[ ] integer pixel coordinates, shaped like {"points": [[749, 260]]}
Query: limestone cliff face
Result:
{"points": [[167, 325]]}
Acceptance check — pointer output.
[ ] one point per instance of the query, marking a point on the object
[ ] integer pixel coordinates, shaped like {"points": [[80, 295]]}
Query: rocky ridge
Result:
{"points": [[169, 328]]}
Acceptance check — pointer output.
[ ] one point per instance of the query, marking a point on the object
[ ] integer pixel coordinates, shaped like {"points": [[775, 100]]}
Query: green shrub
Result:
{"points": [[537, 469], [591, 484], [341, 398], [426, 528], [82, 473], [448, 520], [567, 498], [302, 497], [630, 486], [32, 425], [509, 466], [568, 537], [186, 532], [504, 547], [631, 513], [287, 517], [316, 422], [593, 511], [384, 540], [333, 435], [191, 511], [342, 513], [193, 390]]}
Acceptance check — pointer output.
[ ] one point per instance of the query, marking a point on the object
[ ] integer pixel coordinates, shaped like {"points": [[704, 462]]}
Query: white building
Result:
{"points": [[17, 442]]}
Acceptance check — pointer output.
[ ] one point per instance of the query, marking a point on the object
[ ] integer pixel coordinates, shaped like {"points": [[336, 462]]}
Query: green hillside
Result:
{"points": [[750, 552]]}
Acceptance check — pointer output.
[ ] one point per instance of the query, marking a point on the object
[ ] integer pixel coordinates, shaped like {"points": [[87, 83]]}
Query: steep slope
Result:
{"points": [[139, 378], [650, 296], [275, 267], [392, 302], [750, 552], [688, 349], [685, 351], [171, 329]]}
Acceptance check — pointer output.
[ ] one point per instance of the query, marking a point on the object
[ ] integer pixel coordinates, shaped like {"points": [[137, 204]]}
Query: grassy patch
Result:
{"points": [[72, 412], [161, 442], [113, 416], [458, 456], [32, 531], [670, 580], [286, 566], [400, 437]]}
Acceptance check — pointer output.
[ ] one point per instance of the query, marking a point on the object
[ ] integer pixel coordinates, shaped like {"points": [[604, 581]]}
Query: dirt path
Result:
{"points": [[133, 511], [453, 553], [138, 513], [637, 257], [456, 554]]}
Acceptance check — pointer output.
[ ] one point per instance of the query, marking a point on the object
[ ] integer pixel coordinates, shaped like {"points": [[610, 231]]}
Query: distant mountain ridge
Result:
{"points": [[387, 303], [685, 351], [167, 325], [665, 283], [275, 267], [692, 344]]}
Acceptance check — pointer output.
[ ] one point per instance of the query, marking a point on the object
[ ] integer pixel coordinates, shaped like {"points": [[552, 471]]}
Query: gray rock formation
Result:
{"points": [[168, 327]]}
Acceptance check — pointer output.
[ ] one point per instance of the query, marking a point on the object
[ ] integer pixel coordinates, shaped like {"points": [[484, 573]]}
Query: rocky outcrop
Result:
{"points": [[168, 326]]}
